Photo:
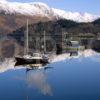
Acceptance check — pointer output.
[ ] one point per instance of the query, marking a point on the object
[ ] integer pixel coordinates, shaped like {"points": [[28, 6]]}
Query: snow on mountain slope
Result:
{"points": [[75, 16], [25, 8], [37, 8]]}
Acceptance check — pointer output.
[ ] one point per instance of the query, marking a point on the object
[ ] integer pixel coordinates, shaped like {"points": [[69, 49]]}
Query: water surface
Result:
{"points": [[70, 79]]}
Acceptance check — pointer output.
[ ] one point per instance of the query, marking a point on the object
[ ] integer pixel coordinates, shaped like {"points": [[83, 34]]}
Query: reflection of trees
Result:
{"points": [[39, 81]]}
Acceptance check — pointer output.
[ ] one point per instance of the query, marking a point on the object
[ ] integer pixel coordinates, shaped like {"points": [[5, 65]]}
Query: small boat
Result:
{"points": [[36, 59]]}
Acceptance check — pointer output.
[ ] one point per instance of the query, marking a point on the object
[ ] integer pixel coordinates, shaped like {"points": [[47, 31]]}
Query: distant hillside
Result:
{"points": [[9, 23], [54, 31], [62, 25]]}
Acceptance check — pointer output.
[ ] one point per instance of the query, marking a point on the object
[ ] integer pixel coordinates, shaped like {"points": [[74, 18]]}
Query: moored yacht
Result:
{"points": [[35, 59]]}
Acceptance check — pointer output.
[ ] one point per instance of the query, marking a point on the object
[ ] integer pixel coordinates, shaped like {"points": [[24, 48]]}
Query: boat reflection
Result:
{"points": [[37, 79]]}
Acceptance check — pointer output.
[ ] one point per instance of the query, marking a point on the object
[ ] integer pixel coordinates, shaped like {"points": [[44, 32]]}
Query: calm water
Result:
{"points": [[74, 79]]}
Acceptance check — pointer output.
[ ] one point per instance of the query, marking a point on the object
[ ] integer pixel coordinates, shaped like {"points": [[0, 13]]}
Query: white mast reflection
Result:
{"points": [[38, 80]]}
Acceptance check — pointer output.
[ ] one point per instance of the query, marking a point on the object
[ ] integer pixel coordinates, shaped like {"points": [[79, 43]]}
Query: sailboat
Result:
{"points": [[35, 60]]}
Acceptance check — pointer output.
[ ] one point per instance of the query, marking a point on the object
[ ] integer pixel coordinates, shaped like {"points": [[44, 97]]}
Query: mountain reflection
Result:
{"points": [[38, 80], [8, 63]]}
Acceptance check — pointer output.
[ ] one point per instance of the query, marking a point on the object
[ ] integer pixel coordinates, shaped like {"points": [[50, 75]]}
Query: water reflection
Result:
{"points": [[8, 63], [71, 80], [75, 74], [68, 44], [38, 80]]}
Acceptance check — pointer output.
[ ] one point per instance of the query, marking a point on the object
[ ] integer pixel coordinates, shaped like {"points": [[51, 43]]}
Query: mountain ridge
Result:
{"points": [[38, 8]]}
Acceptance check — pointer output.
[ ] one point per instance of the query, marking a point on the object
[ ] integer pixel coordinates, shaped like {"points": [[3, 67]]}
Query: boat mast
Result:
{"points": [[44, 43], [26, 40]]}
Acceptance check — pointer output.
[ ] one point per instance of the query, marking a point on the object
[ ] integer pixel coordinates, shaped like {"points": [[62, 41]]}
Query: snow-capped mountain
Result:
{"points": [[75, 16], [37, 8], [25, 8]]}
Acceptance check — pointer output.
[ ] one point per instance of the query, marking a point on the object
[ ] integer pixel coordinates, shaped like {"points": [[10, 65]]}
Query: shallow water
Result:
{"points": [[70, 79]]}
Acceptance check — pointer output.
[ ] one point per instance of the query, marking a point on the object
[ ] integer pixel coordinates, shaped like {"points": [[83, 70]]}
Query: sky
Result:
{"points": [[82, 6]]}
